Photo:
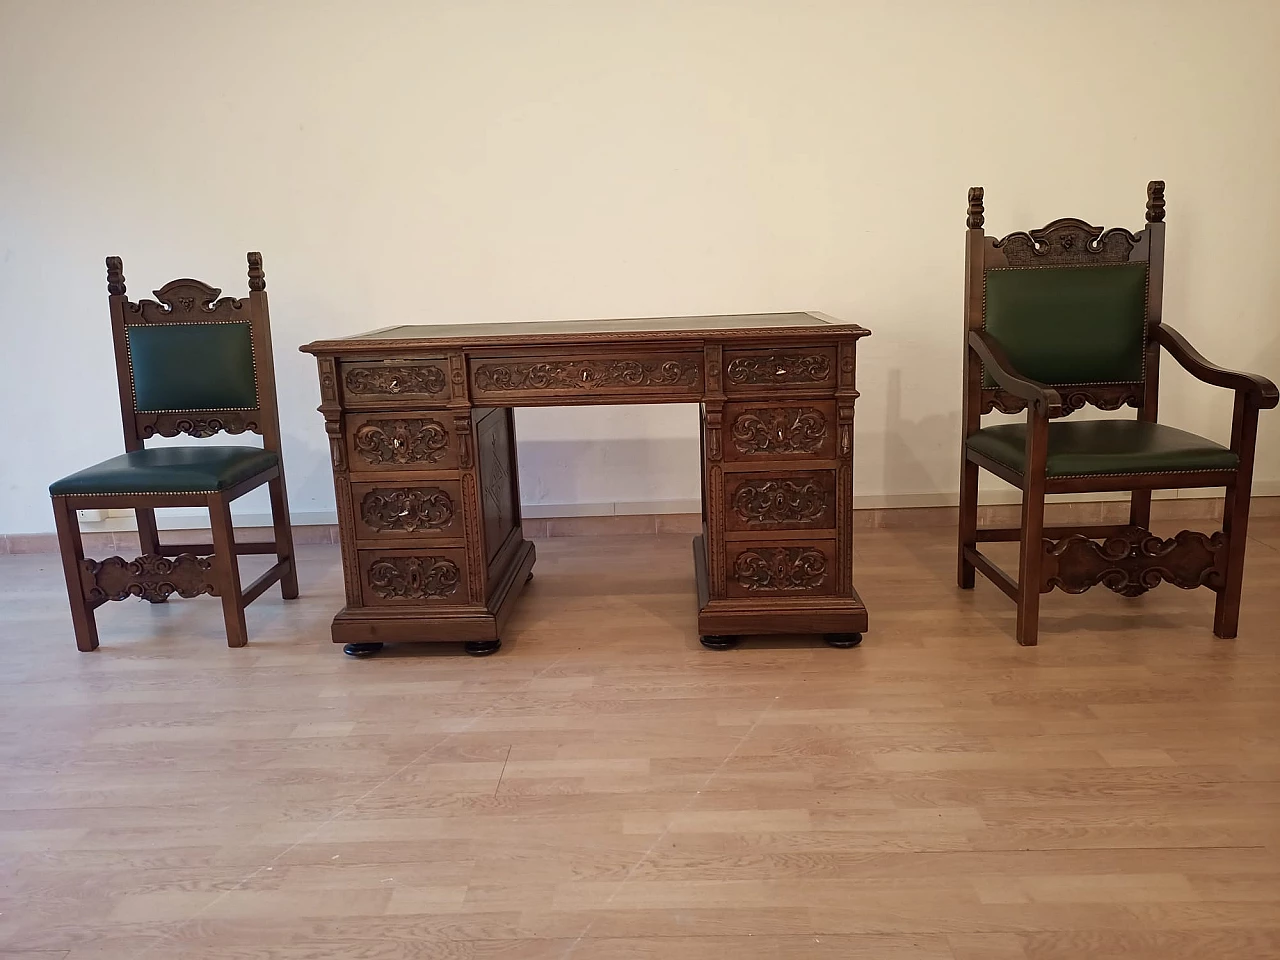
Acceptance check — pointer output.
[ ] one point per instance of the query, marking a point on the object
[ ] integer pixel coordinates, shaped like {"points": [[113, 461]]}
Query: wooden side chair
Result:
{"points": [[190, 363], [1066, 316]]}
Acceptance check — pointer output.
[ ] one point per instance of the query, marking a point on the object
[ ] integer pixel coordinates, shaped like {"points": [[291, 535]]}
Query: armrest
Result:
{"points": [[1261, 391], [1038, 395]]}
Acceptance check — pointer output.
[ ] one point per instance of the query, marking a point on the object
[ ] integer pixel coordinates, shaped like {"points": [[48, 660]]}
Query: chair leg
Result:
{"points": [[1030, 556], [284, 537], [72, 547], [148, 535], [1140, 509], [224, 548], [1235, 524], [968, 523]]}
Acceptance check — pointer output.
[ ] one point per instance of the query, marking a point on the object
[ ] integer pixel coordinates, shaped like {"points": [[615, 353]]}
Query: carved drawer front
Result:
{"points": [[429, 508], [401, 441], [780, 569], [377, 383], [765, 370], [793, 429], [420, 577], [780, 501], [631, 375]]}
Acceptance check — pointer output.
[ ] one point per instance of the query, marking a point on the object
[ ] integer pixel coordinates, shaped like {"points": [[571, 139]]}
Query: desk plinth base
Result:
{"points": [[458, 624], [827, 615]]}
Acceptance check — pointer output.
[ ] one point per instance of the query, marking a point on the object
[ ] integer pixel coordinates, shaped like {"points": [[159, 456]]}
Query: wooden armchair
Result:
{"points": [[187, 363], [1062, 317]]}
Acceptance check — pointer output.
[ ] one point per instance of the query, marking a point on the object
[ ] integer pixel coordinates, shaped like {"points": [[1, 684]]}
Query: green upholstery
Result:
{"points": [[192, 366], [169, 470], [1089, 447], [1069, 325]]}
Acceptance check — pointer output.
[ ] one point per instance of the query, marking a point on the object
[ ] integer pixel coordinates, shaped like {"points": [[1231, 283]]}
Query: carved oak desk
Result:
{"points": [[424, 464]]}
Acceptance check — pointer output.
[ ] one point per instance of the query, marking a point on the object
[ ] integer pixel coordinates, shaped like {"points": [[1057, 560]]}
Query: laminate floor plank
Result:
{"points": [[605, 788]]}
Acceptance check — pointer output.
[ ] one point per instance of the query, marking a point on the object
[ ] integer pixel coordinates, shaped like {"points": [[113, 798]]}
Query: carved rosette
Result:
{"points": [[1134, 562], [779, 501], [401, 441], [779, 368], [767, 431], [780, 569], [413, 578], [172, 424], [406, 509], [392, 381], [1067, 242], [576, 375], [1103, 396], [328, 393], [149, 577]]}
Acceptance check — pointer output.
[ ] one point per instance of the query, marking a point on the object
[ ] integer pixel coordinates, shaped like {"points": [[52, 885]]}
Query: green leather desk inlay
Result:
{"points": [[1088, 447], [169, 470], [192, 366], [1069, 325]]}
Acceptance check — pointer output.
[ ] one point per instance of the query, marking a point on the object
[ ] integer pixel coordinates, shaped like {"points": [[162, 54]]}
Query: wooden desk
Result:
{"points": [[424, 465]]}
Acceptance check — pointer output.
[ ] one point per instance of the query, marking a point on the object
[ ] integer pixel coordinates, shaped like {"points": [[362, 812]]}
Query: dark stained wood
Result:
{"points": [[777, 394], [163, 570], [1133, 561], [1128, 559]]}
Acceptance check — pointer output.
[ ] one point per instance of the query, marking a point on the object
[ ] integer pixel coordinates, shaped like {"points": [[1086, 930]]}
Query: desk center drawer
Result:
{"points": [[639, 377]]}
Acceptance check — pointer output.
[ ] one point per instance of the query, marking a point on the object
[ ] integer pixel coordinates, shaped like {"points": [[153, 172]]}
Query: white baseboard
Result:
{"points": [[537, 511]]}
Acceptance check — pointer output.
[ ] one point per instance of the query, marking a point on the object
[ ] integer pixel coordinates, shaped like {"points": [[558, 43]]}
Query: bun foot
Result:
{"points": [[529, 577], [361, 650], [720, 641], [842, 641], [482, 648]]}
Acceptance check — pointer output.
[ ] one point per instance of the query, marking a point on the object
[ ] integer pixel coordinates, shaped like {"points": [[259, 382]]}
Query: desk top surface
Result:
{"points": [[570, 331]]}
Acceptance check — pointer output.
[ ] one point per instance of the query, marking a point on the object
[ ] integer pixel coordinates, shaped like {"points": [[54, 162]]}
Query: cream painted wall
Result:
{"points": [[531, 159]]}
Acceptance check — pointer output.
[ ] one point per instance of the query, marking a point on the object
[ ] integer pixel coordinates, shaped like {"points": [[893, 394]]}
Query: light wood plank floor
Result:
{"points": [[606, 788]]}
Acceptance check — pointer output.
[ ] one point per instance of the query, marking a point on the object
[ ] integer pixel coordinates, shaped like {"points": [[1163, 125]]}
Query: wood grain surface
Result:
{"points": [[606, 788]]}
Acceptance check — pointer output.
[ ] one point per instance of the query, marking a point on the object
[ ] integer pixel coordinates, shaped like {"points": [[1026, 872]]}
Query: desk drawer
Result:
{"points": [[376, 383], [391, 510], [422, 576], [395, 441], [803, 500], [772, 369], [796, 429], [780, 568], [635, 376]]}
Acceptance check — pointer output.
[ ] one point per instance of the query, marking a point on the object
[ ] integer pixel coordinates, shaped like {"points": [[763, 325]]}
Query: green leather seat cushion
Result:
{"points": [[1088, 447], [169, 470]]}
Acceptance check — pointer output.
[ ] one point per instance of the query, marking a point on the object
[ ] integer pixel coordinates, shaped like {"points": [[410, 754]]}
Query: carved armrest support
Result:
{"points": [[1041, 399], [1260, 391]]}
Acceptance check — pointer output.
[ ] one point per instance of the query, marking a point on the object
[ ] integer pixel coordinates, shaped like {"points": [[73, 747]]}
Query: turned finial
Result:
{"points": [[976, 218], [115, 277], [1155, 201], [257, 279]]}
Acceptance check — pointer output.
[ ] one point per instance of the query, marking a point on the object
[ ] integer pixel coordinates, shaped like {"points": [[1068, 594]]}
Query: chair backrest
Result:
{"points": [[1073, 306], [192, 362]]}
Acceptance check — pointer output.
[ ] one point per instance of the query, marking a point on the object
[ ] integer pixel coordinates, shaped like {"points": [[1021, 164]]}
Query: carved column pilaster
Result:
{"points": [[846, 394], [713, 472], [331, 408]]}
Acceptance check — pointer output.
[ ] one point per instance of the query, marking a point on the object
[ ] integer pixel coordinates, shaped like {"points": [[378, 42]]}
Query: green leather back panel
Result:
{"points": [[1070, 325], [192, 366]]}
